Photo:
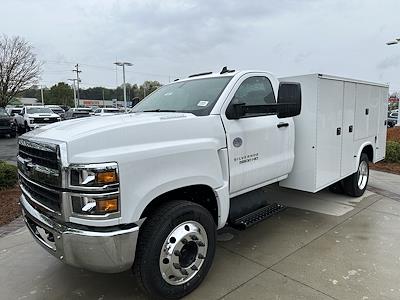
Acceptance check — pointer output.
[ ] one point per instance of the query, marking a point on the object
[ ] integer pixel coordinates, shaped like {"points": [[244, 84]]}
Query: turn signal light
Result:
{"points": [[106, 177], [107, 205]]}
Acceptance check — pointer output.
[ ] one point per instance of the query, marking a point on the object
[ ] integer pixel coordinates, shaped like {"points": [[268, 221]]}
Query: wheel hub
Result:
{"points": [[183, 253], [362, 175]]}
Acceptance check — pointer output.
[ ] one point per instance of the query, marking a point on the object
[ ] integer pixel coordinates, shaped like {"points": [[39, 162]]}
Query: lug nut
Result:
{"points": [[194, 268], [200, 244], [177, 266], [184, 272], [177, 253], [184, 241], [201, 256], [194, 238]]}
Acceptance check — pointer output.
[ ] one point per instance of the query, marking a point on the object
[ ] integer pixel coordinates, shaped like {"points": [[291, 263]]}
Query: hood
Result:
{"points": [[70, 130], [99, 138]]}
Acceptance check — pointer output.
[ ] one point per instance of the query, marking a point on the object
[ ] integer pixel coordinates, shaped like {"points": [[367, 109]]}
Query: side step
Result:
{"points": [[256, 216]]}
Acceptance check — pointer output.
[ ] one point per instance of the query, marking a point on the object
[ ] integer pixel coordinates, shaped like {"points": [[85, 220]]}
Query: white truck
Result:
{"points": [[149, 189], [31, 117]]}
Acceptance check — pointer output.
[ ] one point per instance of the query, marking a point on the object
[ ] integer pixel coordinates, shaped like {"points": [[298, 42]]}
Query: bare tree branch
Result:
{"points": [[19, 67]]}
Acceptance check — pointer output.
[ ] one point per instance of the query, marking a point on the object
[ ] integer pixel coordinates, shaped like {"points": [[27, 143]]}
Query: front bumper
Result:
{"points": [[105, 250]]}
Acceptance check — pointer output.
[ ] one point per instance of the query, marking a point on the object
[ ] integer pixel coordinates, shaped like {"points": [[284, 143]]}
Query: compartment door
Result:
{"points": [[348, 164], [329, 131]]}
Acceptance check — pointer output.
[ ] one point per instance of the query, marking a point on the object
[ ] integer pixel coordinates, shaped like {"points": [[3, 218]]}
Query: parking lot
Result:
{"points": [[8, 148], [324, 246]]}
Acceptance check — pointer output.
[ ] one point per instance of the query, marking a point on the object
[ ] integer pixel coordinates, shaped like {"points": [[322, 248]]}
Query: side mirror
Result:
{"points": [[289, 99], [235, 110]]}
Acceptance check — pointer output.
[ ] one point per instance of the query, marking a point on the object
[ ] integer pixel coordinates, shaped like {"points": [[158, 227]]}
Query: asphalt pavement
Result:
{"points": [[8, 149]]}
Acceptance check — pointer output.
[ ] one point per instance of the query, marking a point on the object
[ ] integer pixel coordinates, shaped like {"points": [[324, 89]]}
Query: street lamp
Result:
{"points": [[123, 64], [395, 42]]}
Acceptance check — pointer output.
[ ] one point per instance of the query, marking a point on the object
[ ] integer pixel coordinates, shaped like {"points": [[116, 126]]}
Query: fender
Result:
{"points": [[363, 145]]}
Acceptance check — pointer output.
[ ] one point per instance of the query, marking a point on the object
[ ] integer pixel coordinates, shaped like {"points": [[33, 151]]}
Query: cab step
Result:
{"points": [[256, 216]]}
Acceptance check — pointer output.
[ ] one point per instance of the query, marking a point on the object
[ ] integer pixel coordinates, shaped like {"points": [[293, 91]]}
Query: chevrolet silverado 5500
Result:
{"points": [[148, 190]]}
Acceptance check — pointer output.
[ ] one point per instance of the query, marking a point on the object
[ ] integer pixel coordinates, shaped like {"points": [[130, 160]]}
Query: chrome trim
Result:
{"points": [[26, 193], [38, 145], [92, 166], [37, 184], [98, 251]]}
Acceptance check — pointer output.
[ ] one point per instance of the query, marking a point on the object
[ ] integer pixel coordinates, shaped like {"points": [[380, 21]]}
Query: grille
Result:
{"points": [[46, 158], [4, 122], [44, 120], [46, 197]]}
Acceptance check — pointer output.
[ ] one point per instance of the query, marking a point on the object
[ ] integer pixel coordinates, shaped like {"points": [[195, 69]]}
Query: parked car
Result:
{"points": [[74, 113], [13, 111], [32, 117], [57, 110], [7, 124], [392, 119], [107, 111], [147, 191]]}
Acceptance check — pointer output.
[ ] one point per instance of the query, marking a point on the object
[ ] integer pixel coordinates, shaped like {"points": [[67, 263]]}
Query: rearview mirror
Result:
{"points": [[235, 110], [289, 99]]}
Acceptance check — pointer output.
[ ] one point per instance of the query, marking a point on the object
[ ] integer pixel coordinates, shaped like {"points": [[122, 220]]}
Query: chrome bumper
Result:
{"points": [[105, 251]]}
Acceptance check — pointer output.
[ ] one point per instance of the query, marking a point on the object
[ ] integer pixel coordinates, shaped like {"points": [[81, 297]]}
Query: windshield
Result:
{"points": [[197, 96], [3, 112], [39, 110]]}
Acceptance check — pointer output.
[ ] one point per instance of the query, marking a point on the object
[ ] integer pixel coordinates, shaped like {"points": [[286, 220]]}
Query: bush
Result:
{"points": [[8, 175], [392, 152]]}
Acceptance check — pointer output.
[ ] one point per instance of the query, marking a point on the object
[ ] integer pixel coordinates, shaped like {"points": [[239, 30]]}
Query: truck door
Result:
{"points": [[258, 144]]}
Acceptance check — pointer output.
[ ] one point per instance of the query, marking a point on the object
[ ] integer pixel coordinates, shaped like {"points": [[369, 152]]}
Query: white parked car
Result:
{"points": [[57, 110], [13, 111], [107, 111], [148, 190], [32, 117]]}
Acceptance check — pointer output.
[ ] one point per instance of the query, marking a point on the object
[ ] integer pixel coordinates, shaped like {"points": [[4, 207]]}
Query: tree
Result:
{"points": [[19, 67], [60, 94]]}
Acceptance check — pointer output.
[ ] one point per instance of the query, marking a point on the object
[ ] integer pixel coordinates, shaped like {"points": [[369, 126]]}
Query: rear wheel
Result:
{"points": [[356, 184], [27, 128], [13, 134], [175, 250]]}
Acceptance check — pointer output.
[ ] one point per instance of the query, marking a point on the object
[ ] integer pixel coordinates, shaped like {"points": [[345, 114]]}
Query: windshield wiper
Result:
{"points": [[159, 110]]}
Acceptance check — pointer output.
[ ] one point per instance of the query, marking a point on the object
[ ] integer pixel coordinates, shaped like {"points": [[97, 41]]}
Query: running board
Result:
{"points": [[256, 216]]}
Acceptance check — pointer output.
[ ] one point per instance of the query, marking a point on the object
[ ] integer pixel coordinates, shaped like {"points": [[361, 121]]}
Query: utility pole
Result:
{"points": [[41, 93], [123, 64], [77, 81], [74, 87]]}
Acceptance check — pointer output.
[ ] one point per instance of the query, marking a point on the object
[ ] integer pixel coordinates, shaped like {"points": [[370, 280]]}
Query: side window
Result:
{"points": [[255, 91]]}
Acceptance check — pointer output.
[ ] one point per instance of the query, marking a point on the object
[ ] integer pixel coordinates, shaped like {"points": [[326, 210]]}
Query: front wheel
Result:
{"points": [[175, 250], [356, 184]]}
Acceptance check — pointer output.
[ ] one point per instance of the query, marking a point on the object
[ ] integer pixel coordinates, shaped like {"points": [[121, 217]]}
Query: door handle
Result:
{"points": [[281, 124]]}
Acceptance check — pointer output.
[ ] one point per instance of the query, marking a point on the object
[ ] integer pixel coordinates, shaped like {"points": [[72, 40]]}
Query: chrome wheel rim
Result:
{"points": [[362, 175], [183, 253]]}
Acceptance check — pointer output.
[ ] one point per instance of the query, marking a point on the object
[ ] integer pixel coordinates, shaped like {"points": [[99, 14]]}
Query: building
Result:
{"points": [[102, 103]]}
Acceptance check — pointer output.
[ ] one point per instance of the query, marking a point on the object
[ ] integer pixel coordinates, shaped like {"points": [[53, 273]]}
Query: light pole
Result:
{"points": [[73, 86], [390, 43], [41, 93], [123, 64]]}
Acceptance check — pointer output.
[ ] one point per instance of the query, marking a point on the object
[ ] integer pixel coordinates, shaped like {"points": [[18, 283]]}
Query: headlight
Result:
{"points": [[93, 206], [94, 175], [95, 189]]}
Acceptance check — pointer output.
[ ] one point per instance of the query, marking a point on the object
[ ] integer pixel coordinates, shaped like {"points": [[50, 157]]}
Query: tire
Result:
{"points": [[189, 232], [356, 184], [27, 128], [13, 135]]}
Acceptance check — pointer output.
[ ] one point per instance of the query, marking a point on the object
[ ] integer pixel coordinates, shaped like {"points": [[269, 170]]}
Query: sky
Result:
{"points": [[172, 39]]}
